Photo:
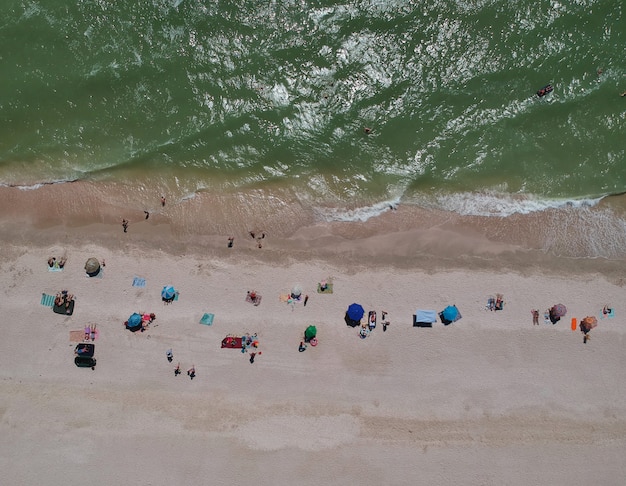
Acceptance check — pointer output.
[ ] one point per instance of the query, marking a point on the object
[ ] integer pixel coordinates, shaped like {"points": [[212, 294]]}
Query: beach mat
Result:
{"points": [[232, 342], [77, 336], [329, 289], [139, 282], [55, 268], [609, 315], [61, 309], [207, 319], [47, 300]]}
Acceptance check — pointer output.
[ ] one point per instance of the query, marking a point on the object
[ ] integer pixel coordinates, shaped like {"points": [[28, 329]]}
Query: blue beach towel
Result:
{"points": [[610, 314], [55, 268], [207, 319], [47, 300], [139, 282]]}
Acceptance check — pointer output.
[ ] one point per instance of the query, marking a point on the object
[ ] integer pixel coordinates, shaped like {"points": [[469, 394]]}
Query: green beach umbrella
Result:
{"points": [[310, 333]]}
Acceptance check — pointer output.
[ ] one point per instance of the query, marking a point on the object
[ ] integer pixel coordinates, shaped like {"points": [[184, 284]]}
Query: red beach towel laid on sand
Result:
{"points": [[233, 342]]}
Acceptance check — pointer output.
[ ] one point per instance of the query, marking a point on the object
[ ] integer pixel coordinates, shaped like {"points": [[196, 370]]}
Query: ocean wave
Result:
{"points": [[464, 204], [359, 214], [498, 204]]}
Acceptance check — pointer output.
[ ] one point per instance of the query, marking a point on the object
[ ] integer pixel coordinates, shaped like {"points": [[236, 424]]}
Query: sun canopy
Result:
{"points": [[310, 333], [134, 321], [168, 292], [355, 312], [92, 267], [450, 313], [558, 310]]}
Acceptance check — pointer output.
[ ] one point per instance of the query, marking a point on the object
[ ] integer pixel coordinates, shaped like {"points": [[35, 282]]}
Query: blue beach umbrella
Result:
{"points": [[450, 313], [134, 321], [355, 312], [168, 292]]}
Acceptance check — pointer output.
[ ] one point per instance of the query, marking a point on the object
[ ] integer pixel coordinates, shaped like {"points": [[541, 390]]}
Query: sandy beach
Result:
{"points": [[489, 400]]}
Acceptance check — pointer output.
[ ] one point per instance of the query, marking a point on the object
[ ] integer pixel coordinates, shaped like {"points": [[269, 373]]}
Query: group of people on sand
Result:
{"points": [[54, 263], [191, 372], [258, 237], [90, 332], [64, 299]]}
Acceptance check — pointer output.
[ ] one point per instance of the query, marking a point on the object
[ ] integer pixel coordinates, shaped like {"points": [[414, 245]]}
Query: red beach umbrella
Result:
{"points": [[558, 310]]}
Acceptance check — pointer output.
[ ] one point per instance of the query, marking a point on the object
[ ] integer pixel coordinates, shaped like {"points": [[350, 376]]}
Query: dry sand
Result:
{"points": [[490, 399]]}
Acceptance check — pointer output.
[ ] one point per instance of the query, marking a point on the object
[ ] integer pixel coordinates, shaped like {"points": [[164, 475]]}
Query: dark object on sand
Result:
{"points": [[84, 355], [449, 315], [556, 312], [64, 309], [354, 314], [545, 90]]}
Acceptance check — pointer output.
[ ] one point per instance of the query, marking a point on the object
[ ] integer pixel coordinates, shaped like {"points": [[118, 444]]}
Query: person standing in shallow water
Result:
{"points": [[163, 201], [125, 225]]}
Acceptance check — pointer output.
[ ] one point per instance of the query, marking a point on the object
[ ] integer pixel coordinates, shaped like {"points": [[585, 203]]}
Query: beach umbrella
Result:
{"points": [[588, 323], [310, 333], [92, 266], [168, 292], [296, 291], [355, 312], [134, 321], [450, 313], [558, 310]]}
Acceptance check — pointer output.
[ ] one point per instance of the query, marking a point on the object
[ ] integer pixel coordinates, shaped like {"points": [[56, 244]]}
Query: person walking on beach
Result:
{"points": [[147, 214], [191, 372], [125, 225], [170, 355], [163, 201], [177, 370], [535, 314]]}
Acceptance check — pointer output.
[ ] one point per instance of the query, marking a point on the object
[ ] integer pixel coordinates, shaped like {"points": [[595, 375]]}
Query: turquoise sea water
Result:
{"points": [[209, 95]]}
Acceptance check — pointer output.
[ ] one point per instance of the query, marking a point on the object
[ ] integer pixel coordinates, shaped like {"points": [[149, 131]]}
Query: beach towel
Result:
{"points": [[424, 318], [77, 336], [327, 290], [47, 300], [55, 268], [371, 319], [207, 319], [232, 342], [61, 309], [139, 282], [610, 314], [176, 295]]}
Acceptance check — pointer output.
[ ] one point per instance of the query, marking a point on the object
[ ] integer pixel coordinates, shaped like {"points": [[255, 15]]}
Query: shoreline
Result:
{"points": [[78, 211]]}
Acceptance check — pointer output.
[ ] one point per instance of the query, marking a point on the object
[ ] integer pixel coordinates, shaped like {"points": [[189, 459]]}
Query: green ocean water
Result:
{"points": [[211, 95]]}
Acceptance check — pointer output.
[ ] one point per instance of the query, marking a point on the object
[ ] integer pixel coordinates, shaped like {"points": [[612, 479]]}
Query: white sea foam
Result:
{"points": [[498, 204], [361, 214]]}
